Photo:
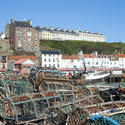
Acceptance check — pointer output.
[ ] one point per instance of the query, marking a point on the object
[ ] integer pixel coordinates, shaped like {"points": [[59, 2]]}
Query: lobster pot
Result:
{"points": [[8, 109], [29, 106]]}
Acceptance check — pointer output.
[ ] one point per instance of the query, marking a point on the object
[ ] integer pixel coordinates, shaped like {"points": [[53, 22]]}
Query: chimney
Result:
{"points": [[81, 53], [24, 20], [77, 31], [12, 21], [30, 22]]}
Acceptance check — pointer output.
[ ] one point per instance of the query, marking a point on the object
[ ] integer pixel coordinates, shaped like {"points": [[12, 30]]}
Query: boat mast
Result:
{"points": [[80, 55]]}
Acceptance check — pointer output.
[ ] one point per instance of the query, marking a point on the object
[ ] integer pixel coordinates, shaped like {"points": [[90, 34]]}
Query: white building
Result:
{"points": [[2, 36], [56, 60], [69, 62], [51, 59], [62, 34], [89, 36], [92, 61], [121, 59]]}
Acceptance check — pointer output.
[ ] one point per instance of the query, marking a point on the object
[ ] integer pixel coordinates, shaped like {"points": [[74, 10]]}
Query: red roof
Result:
{"points": [[70, 57], [84, 55], [120, 55], [89, 56], [2, 70], [20, 61], [22, 57]]}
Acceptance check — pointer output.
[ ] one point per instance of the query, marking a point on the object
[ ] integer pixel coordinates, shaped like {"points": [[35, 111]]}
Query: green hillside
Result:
{"points": [[73, 47]]}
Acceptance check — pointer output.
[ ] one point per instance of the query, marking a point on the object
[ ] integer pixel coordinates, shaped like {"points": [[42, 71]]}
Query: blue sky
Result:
{"points": [[104, 16]]}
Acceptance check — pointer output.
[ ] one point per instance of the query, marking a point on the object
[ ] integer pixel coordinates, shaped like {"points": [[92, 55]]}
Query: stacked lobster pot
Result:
{"points": [[50, 98]]}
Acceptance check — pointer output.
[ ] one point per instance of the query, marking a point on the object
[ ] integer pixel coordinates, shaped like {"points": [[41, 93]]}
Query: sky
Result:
{"points": [[104, 16]]}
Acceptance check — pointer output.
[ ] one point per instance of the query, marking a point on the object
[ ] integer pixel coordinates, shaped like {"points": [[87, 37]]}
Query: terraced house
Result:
{"points": [[23, 36], [63, 34]]}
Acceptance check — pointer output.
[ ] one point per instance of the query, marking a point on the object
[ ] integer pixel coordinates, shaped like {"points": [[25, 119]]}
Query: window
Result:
{"points": [[18, 28], [19, 44], [45, 60], [19, 33], [29, 39], [49, 60], [35, 45], [18, 38], [58, 65], [29, 45], [24, 29], [3, 67], [57, 60], [72, 60], [97, 63], [88, 63], [35, 34], [24, 45], [29, 34], [3, 59], [53, 60], [24, 34], [29, 30]]}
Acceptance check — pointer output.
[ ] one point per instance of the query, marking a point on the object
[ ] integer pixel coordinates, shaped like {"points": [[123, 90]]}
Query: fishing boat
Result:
{"points": [[96, 76], [93, 75]]}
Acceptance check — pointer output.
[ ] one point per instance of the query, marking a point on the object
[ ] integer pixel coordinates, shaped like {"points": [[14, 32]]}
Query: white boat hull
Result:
{"points": [[96, 77]]}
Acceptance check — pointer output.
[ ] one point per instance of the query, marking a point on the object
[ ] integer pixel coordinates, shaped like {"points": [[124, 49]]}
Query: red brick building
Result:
{"points": [[23, 36]]}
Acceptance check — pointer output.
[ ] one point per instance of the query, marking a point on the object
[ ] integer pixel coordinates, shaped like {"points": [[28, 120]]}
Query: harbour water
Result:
{"points": [[105, 84]]}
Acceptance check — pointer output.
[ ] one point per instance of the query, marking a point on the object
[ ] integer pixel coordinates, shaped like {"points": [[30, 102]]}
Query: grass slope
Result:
{"points": [[73, 47]]}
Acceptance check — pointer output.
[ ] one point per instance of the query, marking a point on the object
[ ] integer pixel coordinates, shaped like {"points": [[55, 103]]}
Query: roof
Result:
{"points": [[50, 52], [24, 61], [22, 24], [20, 61], [28, 62], [70, 57], [76, 56], [57, 30], [21, 57], [84, 56], [120, 55], [89, 56]]}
